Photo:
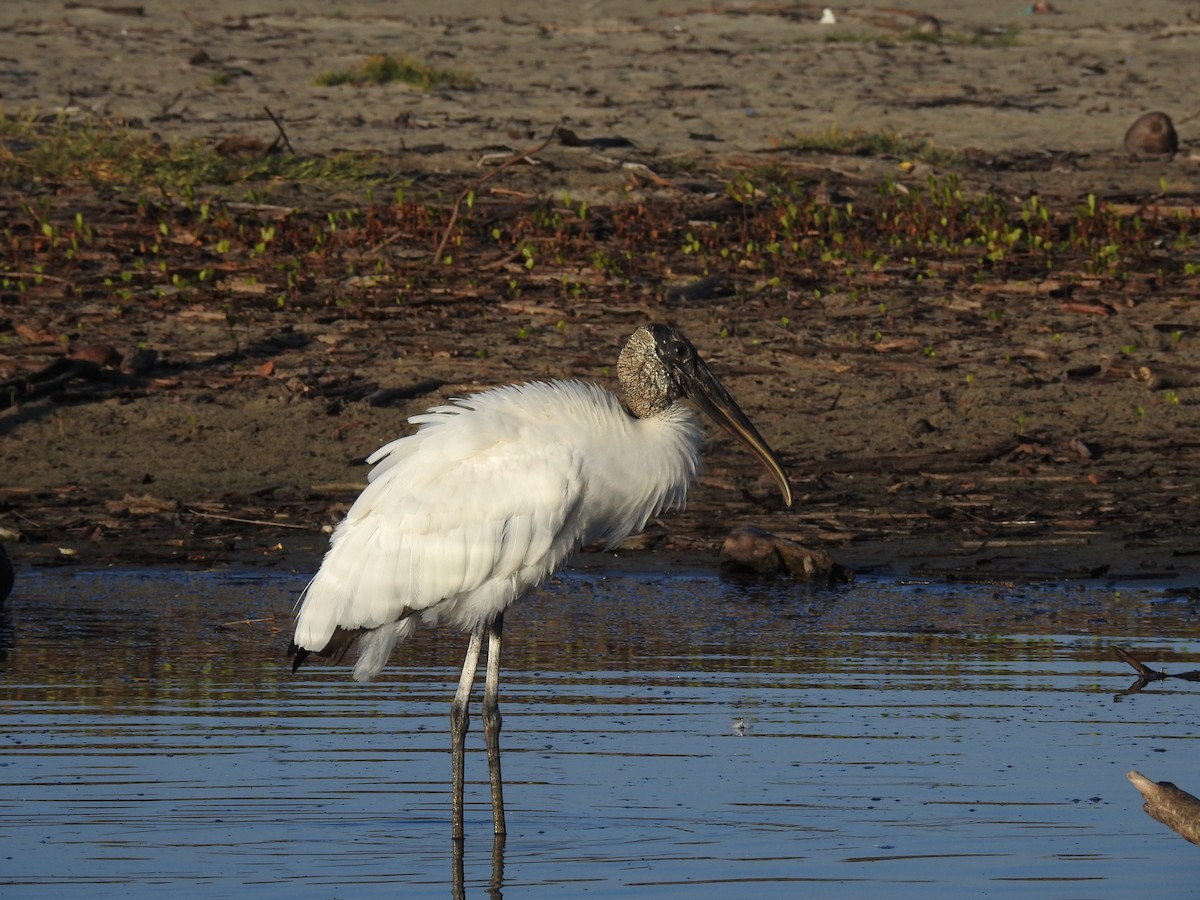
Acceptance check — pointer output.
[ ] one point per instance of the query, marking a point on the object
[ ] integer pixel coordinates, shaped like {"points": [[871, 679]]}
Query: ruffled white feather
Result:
{"points": [[484, 501]]}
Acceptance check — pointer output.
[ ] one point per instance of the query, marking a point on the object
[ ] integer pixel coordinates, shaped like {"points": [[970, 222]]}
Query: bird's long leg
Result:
{"points": [[492, 721], [460, 720]]}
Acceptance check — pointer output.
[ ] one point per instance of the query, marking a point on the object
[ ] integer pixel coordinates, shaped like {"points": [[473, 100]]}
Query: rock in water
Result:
{"points": [[753, 551]]}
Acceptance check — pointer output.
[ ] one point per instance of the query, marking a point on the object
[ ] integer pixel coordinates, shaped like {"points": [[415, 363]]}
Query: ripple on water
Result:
{"points": [[661, 733]]}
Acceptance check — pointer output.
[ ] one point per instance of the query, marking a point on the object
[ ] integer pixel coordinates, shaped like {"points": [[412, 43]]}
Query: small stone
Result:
{"points": [[926, 26]]}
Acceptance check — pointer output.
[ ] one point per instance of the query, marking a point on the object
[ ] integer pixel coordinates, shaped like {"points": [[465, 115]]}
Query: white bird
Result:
{"points": [[490, 495]]}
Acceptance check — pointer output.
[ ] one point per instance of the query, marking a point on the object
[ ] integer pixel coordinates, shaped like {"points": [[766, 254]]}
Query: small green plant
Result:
{"points": [[872, 143], [109, 153], [383, 68]]}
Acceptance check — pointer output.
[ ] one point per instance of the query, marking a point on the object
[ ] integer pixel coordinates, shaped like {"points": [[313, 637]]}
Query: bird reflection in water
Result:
{"points": [[458, 889]]}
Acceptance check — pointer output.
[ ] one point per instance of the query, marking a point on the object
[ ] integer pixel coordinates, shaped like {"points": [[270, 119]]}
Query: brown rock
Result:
{"points": [[1152, 134], [753, 551]]}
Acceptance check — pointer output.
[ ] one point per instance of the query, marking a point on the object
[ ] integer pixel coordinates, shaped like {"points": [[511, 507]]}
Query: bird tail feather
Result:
{"points": [[377, 646]]}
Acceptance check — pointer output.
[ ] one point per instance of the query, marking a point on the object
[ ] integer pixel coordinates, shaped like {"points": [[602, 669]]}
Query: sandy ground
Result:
{"points": [[673, 77], [994, 455]]}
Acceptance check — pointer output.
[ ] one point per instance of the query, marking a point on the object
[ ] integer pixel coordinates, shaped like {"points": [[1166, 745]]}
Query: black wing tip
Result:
{"points": [[338, 644], [297, 654]]}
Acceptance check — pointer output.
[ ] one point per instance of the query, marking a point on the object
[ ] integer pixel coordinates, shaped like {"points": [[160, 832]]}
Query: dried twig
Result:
{"points": [[41, 275], [246, 622], [282, 134], [478, 183], [166, 107], [262, 522]]}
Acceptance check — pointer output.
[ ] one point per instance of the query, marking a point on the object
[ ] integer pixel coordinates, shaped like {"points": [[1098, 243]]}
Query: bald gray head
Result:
{"points": [[645, 380], [658, 366]]}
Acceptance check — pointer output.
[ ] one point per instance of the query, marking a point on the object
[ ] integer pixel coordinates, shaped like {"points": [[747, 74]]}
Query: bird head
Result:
{"points": [[659, 366]]}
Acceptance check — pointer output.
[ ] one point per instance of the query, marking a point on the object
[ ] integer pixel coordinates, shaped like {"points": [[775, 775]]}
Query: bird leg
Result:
{"points": [[460, 720], [492, 721]]}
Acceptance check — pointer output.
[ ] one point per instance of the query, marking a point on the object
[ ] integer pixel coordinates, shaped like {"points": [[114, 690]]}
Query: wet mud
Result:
{"points": [[938, 417]]}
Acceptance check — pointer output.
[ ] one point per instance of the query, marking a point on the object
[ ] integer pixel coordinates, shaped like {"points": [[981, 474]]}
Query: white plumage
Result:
{"points": [[490, 495], [486, 500]]}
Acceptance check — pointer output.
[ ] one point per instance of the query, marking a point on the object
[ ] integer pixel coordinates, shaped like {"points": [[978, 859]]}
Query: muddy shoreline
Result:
{"points": [[983, 425]]}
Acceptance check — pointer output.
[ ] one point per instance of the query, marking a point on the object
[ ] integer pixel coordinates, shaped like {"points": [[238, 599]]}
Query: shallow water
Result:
{"points": [[666, 735]]}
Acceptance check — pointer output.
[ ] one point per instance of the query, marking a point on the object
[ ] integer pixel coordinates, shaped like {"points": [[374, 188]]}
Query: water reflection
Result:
{"points": [[6, 634], [154, 735], [458, 878]]}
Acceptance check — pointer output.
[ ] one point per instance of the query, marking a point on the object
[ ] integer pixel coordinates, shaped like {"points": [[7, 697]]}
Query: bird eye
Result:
{"points": [[681, 350]]}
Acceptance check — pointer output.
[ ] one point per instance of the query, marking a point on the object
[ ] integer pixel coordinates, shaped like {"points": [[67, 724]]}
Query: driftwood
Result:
{"points": [[1147, 675], [1173, 806]]}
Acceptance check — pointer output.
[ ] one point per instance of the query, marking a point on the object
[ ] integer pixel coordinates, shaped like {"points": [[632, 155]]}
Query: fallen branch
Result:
{"points": [[282, 134], [240, 521], [1147, 675], [1146, 672]]}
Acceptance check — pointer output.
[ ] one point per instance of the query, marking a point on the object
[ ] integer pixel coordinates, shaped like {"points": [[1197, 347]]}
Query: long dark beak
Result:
{"points": [[703, 388]]}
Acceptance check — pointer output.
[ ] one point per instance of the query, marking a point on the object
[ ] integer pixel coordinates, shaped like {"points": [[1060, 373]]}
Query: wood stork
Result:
{"points": [[490, 495]]}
